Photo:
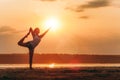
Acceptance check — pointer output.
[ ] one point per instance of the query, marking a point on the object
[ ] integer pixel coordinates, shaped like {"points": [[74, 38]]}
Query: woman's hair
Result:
{"points": [[37, 30]]}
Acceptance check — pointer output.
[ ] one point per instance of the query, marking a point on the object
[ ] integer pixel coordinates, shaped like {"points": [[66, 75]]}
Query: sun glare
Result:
{"points": [[52, 23], [52, 65]]}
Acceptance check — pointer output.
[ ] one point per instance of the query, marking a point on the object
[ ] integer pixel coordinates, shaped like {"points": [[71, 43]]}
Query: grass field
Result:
{"points": [[88, 73]]}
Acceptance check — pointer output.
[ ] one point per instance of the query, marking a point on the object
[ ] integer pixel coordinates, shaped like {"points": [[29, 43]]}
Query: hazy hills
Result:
{"points": [[58, 58]]}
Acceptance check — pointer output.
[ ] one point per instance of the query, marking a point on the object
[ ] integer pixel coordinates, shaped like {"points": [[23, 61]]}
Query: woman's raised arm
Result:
{"points": [[42, 35]]}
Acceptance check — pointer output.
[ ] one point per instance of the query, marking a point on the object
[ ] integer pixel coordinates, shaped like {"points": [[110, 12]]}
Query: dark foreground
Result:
{"points": [[99, 73]]}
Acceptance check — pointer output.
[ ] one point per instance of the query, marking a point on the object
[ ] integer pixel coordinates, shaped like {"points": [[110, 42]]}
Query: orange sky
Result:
{"points": [[87, 26]]}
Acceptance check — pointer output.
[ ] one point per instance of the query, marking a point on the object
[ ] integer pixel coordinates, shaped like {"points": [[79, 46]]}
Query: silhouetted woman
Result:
{"points": [[32, 44]]}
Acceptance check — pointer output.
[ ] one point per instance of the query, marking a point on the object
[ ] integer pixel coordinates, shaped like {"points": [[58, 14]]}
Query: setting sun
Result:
{"points": [[52, 23]]}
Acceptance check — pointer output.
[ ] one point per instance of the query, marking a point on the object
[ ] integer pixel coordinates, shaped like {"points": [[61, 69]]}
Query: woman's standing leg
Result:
{"points": [[31, 52]]}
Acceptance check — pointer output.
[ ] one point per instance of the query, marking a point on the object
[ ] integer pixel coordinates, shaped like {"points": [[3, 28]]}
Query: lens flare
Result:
{"points": [[52, 65]]}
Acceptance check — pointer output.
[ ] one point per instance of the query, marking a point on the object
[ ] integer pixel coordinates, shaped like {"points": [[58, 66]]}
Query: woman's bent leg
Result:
{"points": [[21, 42]]}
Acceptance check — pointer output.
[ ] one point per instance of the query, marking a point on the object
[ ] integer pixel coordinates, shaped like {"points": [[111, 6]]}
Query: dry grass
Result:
{"points": [[89, 73]]}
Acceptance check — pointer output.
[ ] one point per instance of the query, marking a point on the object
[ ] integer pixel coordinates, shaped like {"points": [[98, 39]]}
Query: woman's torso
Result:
{"points": [[36, 40]]}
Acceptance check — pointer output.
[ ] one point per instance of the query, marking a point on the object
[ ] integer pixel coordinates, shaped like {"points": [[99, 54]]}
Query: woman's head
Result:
{"points": [[37, 30]]}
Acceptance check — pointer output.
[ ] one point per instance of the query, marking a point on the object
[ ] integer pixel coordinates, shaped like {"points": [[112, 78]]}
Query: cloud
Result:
{"points": [[84, 17], [7, 30], [96, 4], [90, 4]]}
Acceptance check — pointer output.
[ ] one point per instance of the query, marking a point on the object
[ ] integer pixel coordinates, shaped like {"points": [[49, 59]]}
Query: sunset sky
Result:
{"points": [[85, 26]]}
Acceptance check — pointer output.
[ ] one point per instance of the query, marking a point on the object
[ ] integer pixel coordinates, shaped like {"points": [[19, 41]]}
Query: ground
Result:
{"points": [[88, 73]]}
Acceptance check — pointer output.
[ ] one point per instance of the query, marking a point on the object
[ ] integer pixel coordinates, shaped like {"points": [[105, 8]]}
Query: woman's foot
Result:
{"points": [[31, 68]]}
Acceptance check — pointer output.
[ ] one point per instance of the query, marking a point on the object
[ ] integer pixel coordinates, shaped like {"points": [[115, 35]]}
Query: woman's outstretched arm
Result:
{"points": [[42, 35]]}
